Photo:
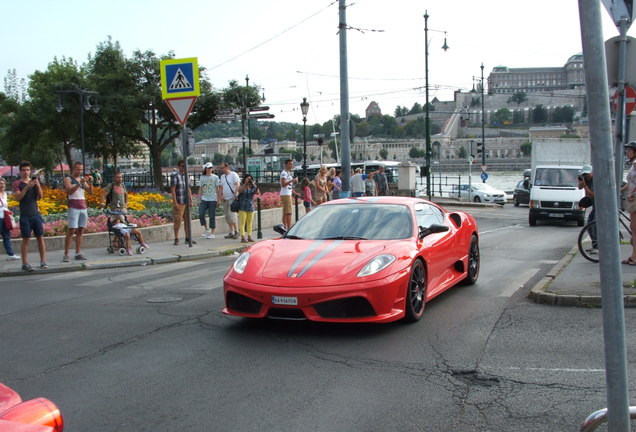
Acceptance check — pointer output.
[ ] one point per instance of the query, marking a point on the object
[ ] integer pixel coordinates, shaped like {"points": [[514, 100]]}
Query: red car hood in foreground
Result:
{"points": [[318, 262]]}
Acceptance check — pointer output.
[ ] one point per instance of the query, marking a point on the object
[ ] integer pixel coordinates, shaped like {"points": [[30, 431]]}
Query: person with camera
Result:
{"points": [[75, 186], [246, 193], [27, 190], [586, 181]]}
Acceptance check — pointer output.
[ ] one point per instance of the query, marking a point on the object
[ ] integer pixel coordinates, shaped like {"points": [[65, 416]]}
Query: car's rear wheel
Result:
{"points": [[473, 262], [515, 201], [416, 292], [477, 199]]}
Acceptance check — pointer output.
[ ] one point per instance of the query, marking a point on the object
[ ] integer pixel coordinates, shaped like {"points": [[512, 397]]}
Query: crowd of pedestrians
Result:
{"points": [[236, 197]]}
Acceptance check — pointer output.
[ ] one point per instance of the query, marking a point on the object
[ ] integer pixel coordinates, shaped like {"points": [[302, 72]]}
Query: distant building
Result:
{"points": [[373, 110], [503, 79]]}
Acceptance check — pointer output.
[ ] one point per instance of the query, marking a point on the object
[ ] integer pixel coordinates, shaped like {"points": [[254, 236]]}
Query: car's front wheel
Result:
{"points": [[477, 199], [473, 261], [515, 201], [416, 292]]}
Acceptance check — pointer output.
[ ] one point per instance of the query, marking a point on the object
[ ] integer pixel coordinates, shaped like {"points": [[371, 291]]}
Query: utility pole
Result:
{"points": [[344, 101]]}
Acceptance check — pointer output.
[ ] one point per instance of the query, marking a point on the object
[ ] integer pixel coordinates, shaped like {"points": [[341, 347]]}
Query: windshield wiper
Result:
{"points": [[345, 238], [293, 237]]}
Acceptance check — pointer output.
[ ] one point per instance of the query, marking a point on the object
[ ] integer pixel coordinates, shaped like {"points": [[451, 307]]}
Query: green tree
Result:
{"points": [[539, 114], [384, 153], [526, 148], [416, 109], [501, 116], [518, 98], [463, 153]]}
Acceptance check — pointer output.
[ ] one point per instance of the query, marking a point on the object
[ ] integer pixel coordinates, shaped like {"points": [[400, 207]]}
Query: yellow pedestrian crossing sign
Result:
{"points": [[179, 78]]}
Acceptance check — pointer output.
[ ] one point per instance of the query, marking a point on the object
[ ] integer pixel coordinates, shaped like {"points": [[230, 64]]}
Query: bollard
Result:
{"points": [[296, 206], [259, 232]]}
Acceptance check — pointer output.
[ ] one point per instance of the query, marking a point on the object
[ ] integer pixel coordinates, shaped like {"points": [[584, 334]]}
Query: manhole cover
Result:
{"points": [[164, 299]]}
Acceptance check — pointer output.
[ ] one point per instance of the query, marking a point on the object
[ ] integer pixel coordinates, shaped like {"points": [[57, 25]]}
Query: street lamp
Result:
{"points": [[85, 104], [427, 118], [304, 107]]}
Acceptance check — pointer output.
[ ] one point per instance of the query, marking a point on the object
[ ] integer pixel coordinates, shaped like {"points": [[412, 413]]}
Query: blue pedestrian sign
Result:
{"points": [[484, 177], [179, 78]]}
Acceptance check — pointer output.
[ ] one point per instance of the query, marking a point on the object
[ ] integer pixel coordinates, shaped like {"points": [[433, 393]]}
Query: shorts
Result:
{"points": [[177, 215], [231, 218], [31, 223], [307, 204], [77, 218], [286, 200]]}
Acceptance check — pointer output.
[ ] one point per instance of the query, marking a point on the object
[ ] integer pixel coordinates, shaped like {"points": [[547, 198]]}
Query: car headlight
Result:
{"points": [[241, 262], [376, 264], [486, 195]]}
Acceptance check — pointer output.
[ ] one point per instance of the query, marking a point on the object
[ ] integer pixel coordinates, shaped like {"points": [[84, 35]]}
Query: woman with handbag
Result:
{"points": [[4, 224], [247, 190]]}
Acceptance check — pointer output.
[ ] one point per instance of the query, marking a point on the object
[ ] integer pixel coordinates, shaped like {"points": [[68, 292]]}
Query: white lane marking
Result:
{"points": [[500, 229], [518, 282], [573, 370], [183, 280]]}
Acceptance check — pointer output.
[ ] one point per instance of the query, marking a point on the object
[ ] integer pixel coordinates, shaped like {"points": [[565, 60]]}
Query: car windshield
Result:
{"points": [[560, 177], [483, 187], [355, 221]]}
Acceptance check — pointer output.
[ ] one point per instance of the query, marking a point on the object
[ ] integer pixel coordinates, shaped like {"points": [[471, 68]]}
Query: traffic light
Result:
{"points": [[480, 148]]}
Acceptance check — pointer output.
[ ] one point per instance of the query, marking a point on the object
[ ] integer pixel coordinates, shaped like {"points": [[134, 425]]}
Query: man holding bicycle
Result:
{"points": [[586, 181]]}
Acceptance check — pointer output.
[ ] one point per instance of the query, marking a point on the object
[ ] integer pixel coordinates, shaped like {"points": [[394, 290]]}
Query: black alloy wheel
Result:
{"points": [[472, 272], [416, 292]]}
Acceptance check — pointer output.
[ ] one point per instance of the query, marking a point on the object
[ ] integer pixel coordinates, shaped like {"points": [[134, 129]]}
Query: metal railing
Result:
{"points": [[599, 417]]}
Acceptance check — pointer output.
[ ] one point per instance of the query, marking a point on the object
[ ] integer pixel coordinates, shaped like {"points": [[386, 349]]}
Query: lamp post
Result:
{"points": [[84, 104], [427, 117], [304, 107], [483, 119]]}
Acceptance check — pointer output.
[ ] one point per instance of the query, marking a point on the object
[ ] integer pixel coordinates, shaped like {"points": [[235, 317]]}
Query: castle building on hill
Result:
{"points": [[503, 79]]}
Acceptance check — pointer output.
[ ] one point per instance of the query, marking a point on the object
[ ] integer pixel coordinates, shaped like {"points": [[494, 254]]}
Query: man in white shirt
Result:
{"points": [[357, 183], [287, 180], [230, 182]]}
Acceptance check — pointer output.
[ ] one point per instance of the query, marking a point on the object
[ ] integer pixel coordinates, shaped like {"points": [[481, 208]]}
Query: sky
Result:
{"points": [[290, 48]]}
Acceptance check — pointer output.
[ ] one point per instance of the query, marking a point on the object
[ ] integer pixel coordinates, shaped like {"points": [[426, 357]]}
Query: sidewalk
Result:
{"points": [[158, 253], [575, 281]]}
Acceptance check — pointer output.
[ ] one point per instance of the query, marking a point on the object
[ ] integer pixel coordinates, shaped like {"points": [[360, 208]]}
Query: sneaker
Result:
{"points": [[13, 257], [129, 252], [44, 265], [229, 236], [80, 257], [66, 258], [206, 233], [235, 236], [27, 267], [250, 239], [210, 236]]}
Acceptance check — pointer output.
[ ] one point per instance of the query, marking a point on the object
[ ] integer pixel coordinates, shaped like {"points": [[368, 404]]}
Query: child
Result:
{"points": [[307, 200]]}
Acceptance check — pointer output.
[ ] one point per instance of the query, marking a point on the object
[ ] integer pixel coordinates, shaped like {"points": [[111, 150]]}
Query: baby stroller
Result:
{"points": [[118, 227]]}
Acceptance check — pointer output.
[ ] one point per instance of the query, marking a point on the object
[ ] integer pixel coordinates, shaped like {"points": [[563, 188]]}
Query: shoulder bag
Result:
{"points": [[9, 222], [235, 206]]}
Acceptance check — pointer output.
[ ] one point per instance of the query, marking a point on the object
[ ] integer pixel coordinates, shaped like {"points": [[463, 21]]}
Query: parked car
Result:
{"points": [[481, 192], [382, 260], [35, 415], [521, 195]]}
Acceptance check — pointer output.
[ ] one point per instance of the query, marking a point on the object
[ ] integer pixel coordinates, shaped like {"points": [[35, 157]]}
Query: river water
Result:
{"points": [[502, 180]]}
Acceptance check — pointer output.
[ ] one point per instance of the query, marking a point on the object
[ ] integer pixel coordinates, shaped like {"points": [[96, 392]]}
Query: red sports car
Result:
{"points": [[35, 415], [367, 259]]}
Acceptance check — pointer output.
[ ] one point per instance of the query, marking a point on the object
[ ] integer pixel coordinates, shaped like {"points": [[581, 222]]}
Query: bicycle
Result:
{"points": [[585, 239]]}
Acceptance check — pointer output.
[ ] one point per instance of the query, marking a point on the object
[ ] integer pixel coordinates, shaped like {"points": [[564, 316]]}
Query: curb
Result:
{"points": [[129, 262], [540, 293]]}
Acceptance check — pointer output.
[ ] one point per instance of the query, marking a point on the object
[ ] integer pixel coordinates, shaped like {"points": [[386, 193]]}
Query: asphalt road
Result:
{"points": [[147, 349]]}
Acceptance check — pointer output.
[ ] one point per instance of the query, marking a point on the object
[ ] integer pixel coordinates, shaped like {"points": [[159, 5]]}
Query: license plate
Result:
{"points": [[278, 300], [556, 215]]}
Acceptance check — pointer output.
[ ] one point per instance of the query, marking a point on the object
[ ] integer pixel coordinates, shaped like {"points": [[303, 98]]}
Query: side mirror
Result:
{"points": [[433, 229], [280, 229]]}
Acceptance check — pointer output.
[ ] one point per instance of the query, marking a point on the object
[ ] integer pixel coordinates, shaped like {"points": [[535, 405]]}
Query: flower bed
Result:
{"points": [[145, 208]]}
